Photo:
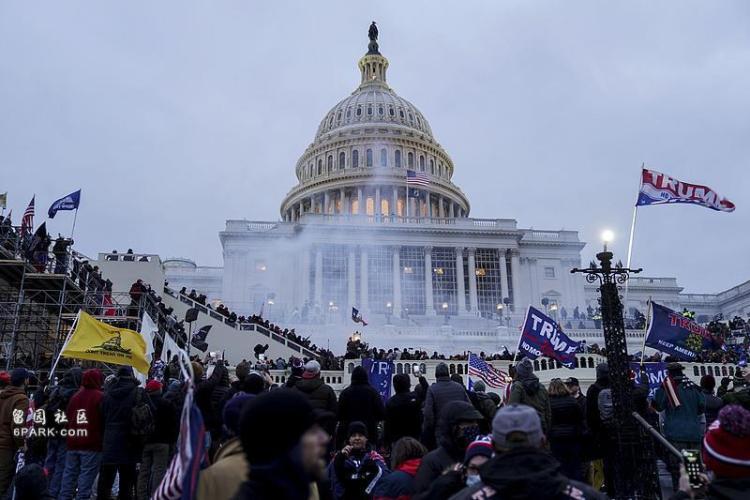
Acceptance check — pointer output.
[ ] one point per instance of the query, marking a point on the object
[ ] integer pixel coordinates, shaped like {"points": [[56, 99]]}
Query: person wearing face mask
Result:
{"points": [[357, 467], [521, 468], [458, 426]]}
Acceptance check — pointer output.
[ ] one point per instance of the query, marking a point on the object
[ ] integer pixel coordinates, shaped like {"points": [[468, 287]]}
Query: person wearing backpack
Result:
{"points": [[527, 390], [155, 459], [121, 446], [601, 434]]}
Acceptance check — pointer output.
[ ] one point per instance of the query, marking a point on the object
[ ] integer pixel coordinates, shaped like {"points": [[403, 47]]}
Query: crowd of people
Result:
{"points": [[299, 440]]}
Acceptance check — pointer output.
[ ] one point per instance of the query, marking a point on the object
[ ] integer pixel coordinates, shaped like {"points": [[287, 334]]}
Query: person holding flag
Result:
{"points": [[682, 403]]}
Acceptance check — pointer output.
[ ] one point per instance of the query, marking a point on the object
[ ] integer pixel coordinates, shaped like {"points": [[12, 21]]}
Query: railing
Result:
{"points": [[129, 257], [241, 326], [357, 219]]}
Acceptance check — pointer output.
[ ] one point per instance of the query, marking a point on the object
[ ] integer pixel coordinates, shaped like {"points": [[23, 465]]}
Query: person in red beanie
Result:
{"points": [[726, 453], [84, 441]]}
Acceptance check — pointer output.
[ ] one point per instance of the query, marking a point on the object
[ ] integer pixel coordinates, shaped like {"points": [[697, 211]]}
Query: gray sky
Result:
{"points": [[174, 116]]}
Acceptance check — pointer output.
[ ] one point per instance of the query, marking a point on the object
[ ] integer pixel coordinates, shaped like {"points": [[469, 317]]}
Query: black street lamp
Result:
{"points": [[634, 473]]}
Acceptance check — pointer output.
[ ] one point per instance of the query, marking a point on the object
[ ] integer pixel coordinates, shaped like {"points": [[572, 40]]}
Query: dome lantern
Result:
{"points": [[373, 65]]}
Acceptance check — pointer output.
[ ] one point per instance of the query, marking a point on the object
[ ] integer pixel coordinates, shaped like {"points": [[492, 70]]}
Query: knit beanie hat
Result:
{"points": [[524, 369], [479, 386], [232, 411], [726, 445], [272, 424], [481, 446], [356, 428], [153, 386]]}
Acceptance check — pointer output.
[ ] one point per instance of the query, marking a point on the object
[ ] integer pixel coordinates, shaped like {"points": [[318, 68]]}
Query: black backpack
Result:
{"points": [[142, 421]]}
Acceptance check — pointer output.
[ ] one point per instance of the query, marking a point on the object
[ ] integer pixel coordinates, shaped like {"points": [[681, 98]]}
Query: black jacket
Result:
{"points": [[166, 420], [118, 446], [285, 478], [320, 395], [442, 392], [403, 417], [526, 473], [360, 402], [713, 405], [448, 452], [567, 419]]}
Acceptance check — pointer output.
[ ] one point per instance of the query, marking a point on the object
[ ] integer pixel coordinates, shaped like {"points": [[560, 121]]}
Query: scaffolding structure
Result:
{"points": [[40, 297]]}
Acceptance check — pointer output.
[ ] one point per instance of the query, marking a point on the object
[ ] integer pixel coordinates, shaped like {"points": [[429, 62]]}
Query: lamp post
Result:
{"points": [[388, 313], [553, 310], [635, 474], [499, 309], [445, 312], [506, 302]]}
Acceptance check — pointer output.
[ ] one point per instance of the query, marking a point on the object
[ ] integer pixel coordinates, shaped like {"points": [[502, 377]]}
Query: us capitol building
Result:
{"points": [[422, 272]]}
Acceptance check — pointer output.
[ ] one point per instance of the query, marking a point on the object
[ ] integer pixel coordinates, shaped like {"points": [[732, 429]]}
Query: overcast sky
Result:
{"points": [[175, 116]]}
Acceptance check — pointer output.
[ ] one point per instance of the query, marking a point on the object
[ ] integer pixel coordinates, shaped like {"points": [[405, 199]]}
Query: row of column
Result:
{"points": [[508, 288], [327, 202]]}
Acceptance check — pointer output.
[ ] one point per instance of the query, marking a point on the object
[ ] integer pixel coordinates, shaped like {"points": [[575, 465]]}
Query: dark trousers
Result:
{"points": [[107, 475]]}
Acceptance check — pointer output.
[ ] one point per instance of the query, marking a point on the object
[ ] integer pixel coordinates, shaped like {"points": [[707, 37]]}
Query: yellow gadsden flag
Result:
{"points": [[97, 341]]}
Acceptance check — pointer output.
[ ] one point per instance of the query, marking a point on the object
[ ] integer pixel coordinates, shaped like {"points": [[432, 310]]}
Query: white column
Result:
{"points": [[428, 204], [452, 212], [342, 197], [503, 264], [301, 210], [326, 202], [429, 306], [394, 201], [319, 276], [396, 281], [363, 270], [461, 288], [473, 282], [515, 276], [360, 201], [441, 209], [305, 276], [377, 203], [352, 277]]}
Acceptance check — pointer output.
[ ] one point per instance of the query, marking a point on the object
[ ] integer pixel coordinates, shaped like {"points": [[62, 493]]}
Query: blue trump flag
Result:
{"points": [[69, 202], [542, 336], [672, 333], [380, 374], [656, 373]]}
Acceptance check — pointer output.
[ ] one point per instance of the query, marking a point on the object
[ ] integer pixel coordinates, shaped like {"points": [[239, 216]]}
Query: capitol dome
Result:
{"points": [[362, 151]]}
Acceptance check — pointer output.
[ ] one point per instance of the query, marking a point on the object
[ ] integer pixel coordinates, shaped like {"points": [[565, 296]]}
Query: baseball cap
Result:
{"points": [[516, 426]]}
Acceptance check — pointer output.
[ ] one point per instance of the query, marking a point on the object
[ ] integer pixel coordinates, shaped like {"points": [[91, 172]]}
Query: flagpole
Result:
{"points": [[75, 216], [630, 239], [645, 330], [65, 344]]}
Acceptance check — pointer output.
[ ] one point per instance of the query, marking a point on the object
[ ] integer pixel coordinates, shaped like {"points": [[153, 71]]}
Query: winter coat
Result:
{"points": [[442, 392], [360, 402], [599, 433], [486, 406], [567, 419], [531, 393], [166, 420], [738, 396], [448, 452], [724, 488], [357, 471], [86, 406], [203, 395], [60, 397], [12, 398], [285, 478], [682, 423], [118, 446], [320, 395], [403, 417], [399, 484], [526, 473], [713, 405], [228, 472]]}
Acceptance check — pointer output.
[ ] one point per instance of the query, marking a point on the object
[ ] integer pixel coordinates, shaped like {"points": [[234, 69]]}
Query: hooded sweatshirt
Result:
{"points": [[360, 402], [84, 413], [528, 391], [12, 398], [320, 395], [526, 473]]}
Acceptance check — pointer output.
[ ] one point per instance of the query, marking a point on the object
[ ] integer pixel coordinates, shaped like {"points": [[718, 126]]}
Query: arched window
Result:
{"points": [[398, 158], [410, 160], [330, 122], [369, 110], [369, 157], [381, 111], [421, 163], [320, 167], [432, 167], [411, 117], [391, 112], [383, 158], [359, 111], [338, 116], [310, 168], [355, 159], [440, 170], [330, 163], [401, 113], [349, 113], [342, 160]]}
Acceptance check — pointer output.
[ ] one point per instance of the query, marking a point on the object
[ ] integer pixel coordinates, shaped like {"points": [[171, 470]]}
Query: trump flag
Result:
{"points": [[542, 336], [653, 374], [672, 333], [69, 202], [658, 189], [380, 374], [98, 341]]}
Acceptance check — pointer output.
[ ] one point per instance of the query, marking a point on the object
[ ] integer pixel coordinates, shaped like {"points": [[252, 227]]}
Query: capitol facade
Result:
{"points": [[421, 271]]}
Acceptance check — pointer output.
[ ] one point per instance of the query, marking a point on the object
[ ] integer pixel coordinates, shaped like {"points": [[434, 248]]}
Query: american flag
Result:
{"points": [[27, 221], [414, 178], [494, 378]]}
